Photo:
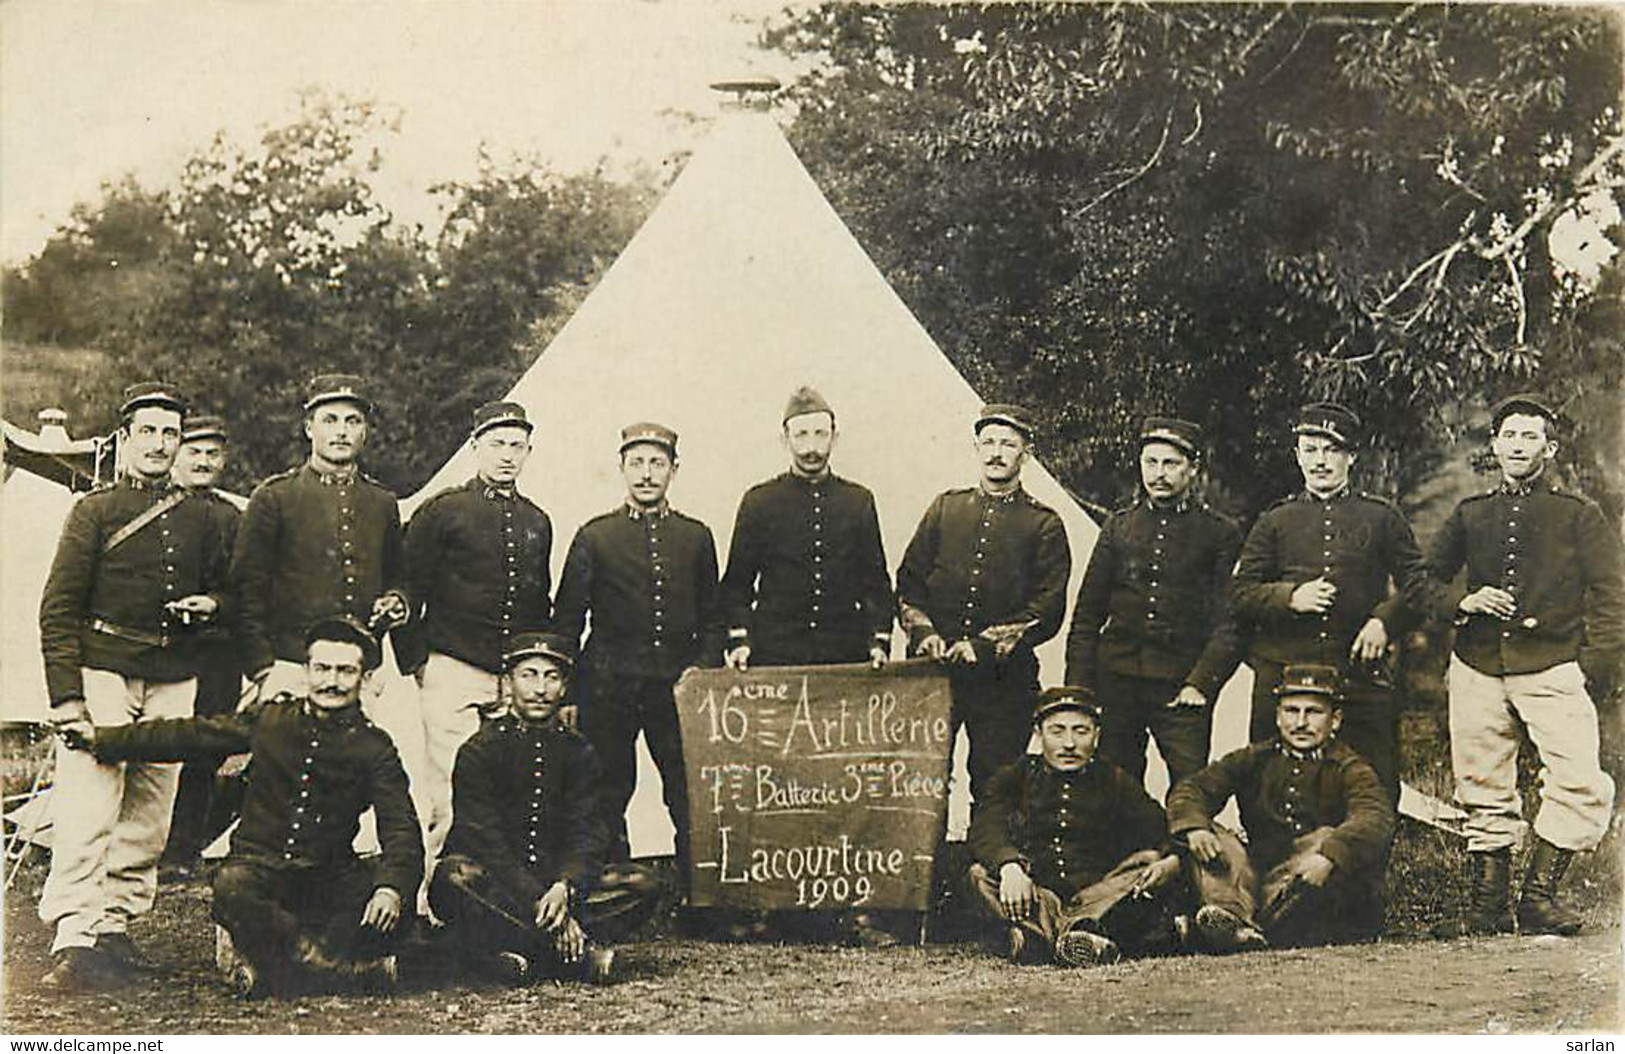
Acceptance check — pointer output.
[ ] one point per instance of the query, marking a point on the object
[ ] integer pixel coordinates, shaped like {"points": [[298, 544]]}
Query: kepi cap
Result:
{"points": [[1305, 678], [1332, 420], [1066, 697], [152, 393], [204, 426], [1185, 435], [805, 400], [346, 628], [500, 415], [649, 432], [539, 645], [1521, 402], [336, 387], [1010, 414]]}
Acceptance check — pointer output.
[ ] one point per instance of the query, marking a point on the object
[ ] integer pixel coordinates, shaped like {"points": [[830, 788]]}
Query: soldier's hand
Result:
{"points": [[553, 907], [570, 942], [1204, 846], [737, 658], [1015, 891], [1315, 870], [389, 610], [383, 910], [1313, 597], [1371, 642], [1488, 600], [199, 606], [934, 647], [1154, 875], [1188, 696], [878, 656], [963, 652], [570, 717], [78, 735]]}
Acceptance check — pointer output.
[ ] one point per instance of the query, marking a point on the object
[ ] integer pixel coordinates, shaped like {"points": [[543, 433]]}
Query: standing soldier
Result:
{"points": [[477, 567], [318, 540], [198, 465], [1540, 631], [806, 580], [137, 568], [1313, 586], [983, 583], [1151, 631], [647, 575]]}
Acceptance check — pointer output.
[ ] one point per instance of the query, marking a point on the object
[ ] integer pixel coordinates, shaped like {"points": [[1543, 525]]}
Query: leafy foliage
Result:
{"points": [[1222, 211], [266, 263]]}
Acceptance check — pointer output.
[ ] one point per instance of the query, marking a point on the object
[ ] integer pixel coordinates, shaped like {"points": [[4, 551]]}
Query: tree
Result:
{"points": [[1222, 211]]}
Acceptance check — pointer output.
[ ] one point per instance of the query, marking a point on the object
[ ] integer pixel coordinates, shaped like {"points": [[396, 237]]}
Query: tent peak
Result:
{"points": [[752, 93]]}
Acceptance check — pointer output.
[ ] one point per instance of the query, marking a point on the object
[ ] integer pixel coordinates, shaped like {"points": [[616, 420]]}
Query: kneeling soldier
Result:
{"points": [[521, 886], [1318, 823], [301, 909], [1070, 853]]}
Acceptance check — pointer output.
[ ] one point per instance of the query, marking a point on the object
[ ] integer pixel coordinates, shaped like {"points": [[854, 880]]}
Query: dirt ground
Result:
{"points": [[1495, 985]]}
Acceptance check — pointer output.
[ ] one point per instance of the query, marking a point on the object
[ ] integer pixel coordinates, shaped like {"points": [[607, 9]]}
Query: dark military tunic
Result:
{"points": [[105, 609], [310, 780], [806, 579], [650, 582], [478, 571], [1155, 599], [1283, 795], [526, 798], [1067, 828], [312, 545], [977, 561], [1555, 553], [1357, 542]]}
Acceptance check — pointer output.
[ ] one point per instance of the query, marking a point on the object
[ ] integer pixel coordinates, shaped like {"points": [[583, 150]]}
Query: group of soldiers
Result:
{"points": [[530, 699]]}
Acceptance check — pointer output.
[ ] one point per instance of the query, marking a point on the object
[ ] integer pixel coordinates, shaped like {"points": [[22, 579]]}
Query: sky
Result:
{"points": [[92, 90]]}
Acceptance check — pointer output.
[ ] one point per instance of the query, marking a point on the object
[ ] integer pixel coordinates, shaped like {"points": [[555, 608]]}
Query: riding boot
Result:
{"points": [[1538, 908], [1489, 909]]}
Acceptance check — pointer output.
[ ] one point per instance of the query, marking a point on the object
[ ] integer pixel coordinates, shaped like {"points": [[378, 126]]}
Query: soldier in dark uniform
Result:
{"points": [[1151, 630], [647, 575], [318, 540], [198, 465], [478, 570], [807, 582], [982, 583], [1540, 632], [1330, 576], [1071, 855], [300, 907], [522, 884], [139, 570], [1318, 824]]}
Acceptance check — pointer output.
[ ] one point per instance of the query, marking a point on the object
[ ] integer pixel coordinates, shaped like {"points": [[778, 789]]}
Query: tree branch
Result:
{"points": [[1156, 155], [1583, 181]]}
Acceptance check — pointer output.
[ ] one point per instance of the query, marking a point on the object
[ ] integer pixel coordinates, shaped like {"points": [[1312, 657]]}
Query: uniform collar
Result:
{"points": [[1066, 777], [1340, 492], [1301, 755], [1524, 488], [635, 511], [1183, 503], [494, 492], [349, 717], [811, 481], [343, 477], [154, 486], [1000, 499]]}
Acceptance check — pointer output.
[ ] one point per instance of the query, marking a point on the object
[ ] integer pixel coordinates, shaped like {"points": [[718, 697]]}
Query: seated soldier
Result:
{"points": [[1318, 822], [521, 882], [301, 909], [1070, 853]]}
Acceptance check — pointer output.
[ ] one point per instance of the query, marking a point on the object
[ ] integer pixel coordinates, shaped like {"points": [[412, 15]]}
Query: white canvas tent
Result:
{"points": [[742, 285]]}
